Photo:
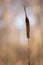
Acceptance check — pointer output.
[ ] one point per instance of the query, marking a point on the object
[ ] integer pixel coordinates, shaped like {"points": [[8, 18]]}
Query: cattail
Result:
{"points": [[27, 25], [28, 34]]}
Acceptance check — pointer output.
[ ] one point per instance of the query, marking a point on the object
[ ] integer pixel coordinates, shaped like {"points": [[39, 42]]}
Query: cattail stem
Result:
{"points": [[25, 11]]}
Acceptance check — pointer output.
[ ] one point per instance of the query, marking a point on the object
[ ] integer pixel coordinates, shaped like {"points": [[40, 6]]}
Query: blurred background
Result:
{"points": [[13, 40]]}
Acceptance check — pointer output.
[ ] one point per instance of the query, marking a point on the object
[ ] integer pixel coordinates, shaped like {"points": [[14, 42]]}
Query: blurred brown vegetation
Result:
{"points": [[13, 50]]}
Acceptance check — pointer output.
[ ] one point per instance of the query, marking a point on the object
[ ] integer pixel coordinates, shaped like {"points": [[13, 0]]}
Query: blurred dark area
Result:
{"points": [[13, 40]]}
